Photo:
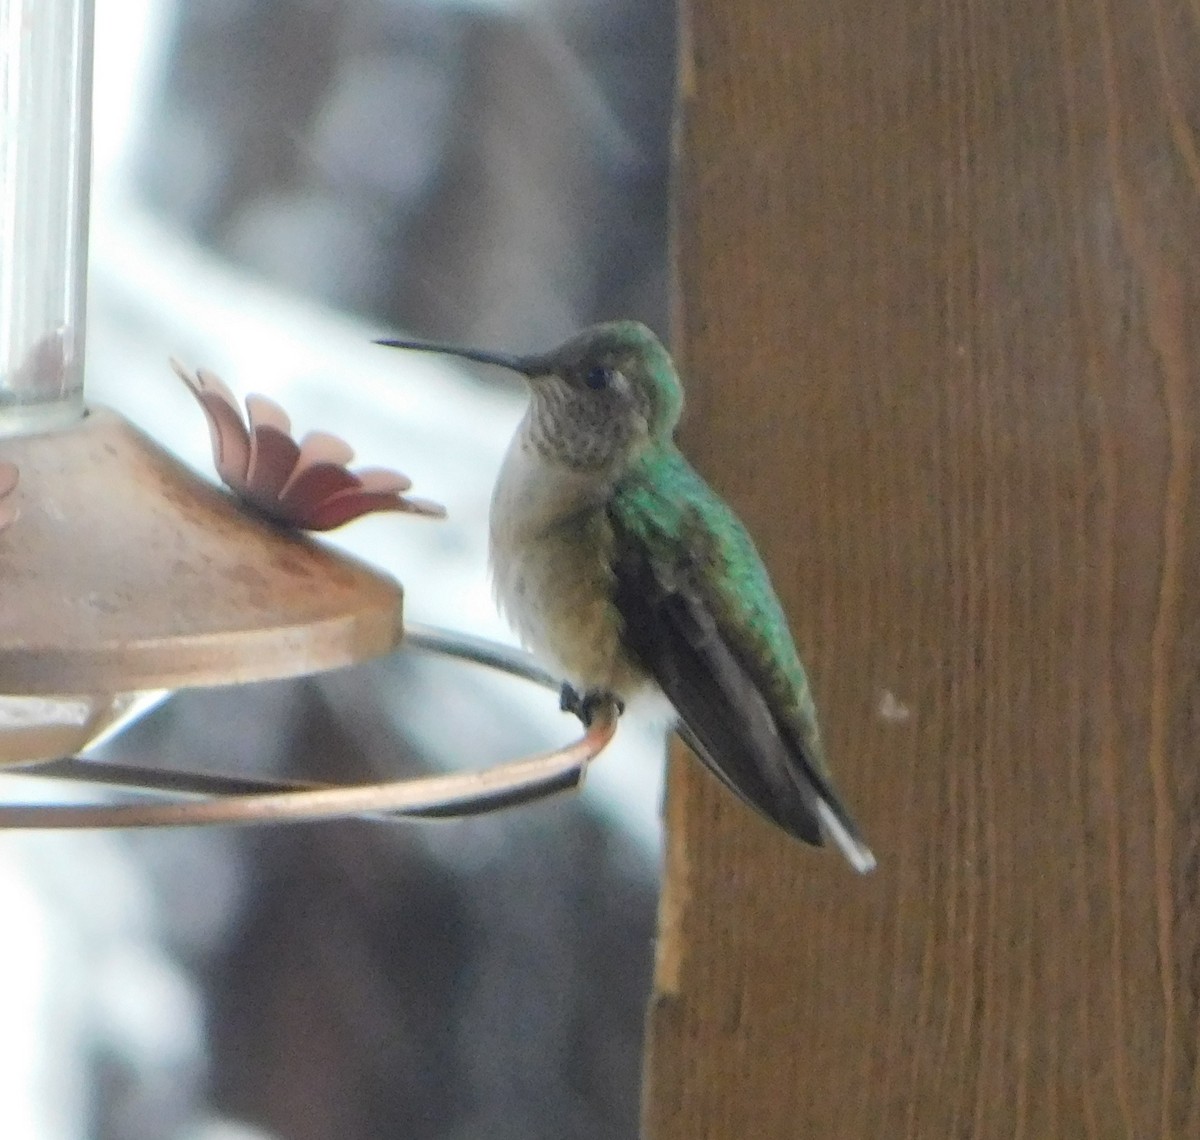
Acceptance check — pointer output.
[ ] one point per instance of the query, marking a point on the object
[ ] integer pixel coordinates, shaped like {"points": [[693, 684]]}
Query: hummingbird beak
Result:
{"points": [[527, 366]]}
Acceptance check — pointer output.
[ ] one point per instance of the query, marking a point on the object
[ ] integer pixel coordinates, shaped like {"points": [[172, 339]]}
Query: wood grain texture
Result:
{"points": [[939, 265]]}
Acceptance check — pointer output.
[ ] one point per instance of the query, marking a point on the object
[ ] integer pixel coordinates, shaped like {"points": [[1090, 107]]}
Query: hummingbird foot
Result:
{"points": [[586, 706]]}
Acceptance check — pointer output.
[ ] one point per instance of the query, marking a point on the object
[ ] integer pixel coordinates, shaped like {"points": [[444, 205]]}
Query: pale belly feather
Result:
{"points": [[550, 552]]}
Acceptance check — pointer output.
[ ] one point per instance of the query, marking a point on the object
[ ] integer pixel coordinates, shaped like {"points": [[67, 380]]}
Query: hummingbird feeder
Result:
{"points": [[123, 574]]}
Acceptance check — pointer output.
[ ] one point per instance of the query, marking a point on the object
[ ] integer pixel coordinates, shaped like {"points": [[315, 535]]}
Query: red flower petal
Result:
{"points": [[226, 428], [273, 455], [427, 507], [264, 412], [382, 480], [320, 449], [351, 504], [305, 485], [311, 486], [325, 447]]}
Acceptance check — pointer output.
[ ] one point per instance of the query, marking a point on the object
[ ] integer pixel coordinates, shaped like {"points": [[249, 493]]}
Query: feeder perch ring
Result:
{"points": [[207, 798]]}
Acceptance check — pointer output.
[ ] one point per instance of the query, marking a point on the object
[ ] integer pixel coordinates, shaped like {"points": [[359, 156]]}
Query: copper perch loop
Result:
{"points": [[232, 800]]}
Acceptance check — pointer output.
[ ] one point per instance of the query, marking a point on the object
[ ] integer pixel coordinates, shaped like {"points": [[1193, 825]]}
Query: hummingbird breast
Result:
{"points": [[551, 553]]}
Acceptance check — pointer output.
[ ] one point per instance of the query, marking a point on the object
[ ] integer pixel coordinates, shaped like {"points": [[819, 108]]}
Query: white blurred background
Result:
{"points": [[276, 182]]}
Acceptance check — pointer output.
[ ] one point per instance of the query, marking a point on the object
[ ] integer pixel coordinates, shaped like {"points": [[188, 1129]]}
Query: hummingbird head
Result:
{"points": [[599, 399]]}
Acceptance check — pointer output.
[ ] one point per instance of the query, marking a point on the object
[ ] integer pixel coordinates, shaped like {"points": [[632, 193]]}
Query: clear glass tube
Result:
{"points": [[45, 172]]}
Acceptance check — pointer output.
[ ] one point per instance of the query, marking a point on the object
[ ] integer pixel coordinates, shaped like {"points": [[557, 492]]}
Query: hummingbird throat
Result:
{"points": [[571, 430]]}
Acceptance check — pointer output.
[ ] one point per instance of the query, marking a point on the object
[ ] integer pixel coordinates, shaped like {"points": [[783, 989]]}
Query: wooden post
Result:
{"points": [[939, 266]]}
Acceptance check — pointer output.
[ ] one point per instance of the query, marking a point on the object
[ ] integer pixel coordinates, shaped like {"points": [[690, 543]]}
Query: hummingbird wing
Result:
{"points": [[701, 617]]}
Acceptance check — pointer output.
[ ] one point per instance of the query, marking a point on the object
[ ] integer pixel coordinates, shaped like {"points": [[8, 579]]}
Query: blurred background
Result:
{"points": [[276, 182]]}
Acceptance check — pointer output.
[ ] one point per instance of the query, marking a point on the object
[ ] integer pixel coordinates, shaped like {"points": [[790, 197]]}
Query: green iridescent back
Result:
{"points": [[663, 507]]}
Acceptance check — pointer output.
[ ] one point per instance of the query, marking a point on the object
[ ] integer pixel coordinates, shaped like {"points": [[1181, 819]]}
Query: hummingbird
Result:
{"points": [[615, 562]]}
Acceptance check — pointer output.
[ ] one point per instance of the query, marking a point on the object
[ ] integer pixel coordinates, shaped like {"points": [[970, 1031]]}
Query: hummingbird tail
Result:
{"points": [[672, 628], [857, 853]]}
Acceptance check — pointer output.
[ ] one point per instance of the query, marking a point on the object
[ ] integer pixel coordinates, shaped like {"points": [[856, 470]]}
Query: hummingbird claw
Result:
{"points": [[569, 700], [586, 706]]}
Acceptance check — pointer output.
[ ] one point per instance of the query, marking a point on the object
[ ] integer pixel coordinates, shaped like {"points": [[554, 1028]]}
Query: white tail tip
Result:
{"points": [[857, 853]]}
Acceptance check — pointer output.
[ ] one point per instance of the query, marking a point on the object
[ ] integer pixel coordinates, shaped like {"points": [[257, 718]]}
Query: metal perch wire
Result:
{"points": [[207, 798]]}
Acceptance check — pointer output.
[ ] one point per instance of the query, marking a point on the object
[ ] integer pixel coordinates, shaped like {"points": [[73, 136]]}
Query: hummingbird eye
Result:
{"points": [[599, 377]]}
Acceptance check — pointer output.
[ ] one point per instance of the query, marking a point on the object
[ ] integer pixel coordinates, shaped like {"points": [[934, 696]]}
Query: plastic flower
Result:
{"points": [[8, 484], [305, 484]]}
